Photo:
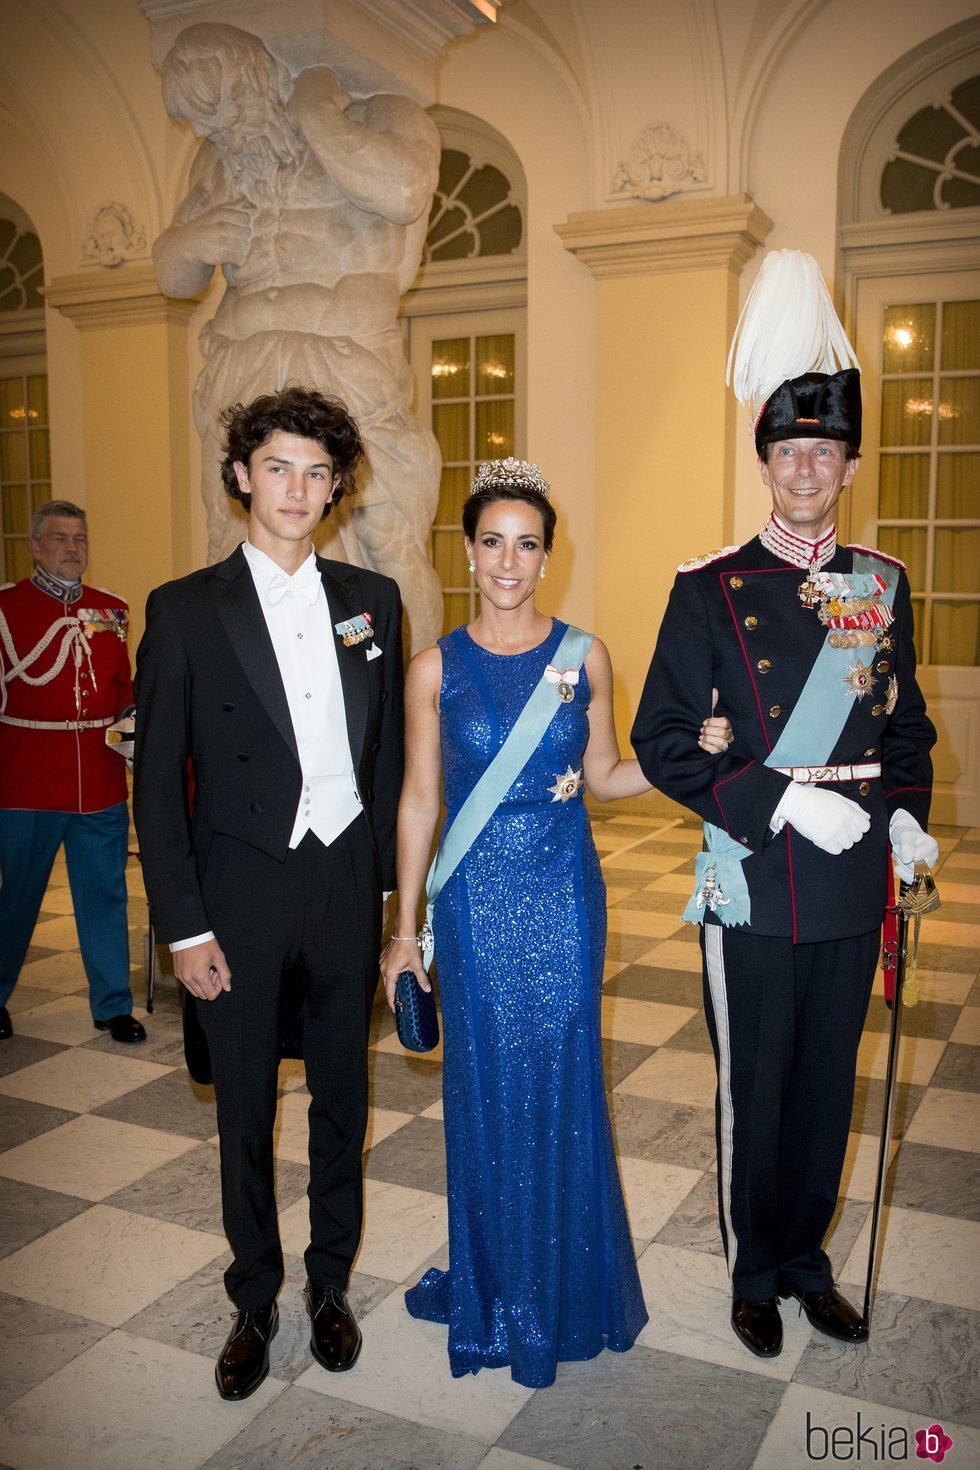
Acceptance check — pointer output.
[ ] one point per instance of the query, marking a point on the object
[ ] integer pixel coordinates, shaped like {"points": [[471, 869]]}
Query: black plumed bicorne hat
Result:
{"points": [[813, 406]]}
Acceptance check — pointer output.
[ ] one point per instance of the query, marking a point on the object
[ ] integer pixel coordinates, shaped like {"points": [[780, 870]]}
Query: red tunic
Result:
{"points": [[70, 770]]}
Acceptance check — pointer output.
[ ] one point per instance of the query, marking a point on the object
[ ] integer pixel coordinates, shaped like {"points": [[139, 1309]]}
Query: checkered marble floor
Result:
{"points": [[111, 1249]]}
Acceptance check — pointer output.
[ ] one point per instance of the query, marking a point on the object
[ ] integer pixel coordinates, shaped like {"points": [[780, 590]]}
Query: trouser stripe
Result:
{"points": [[714, 957]]}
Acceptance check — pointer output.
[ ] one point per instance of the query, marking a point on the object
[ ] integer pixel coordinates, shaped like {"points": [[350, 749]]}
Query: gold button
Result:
{"points": [[864, 788], [883, 666], [870, 750], [775, 712], [751, 623], [763, 666], [735, 583], [879, 709]]}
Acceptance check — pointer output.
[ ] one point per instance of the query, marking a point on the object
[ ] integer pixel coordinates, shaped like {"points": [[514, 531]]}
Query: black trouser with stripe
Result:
{"points": [[318, 914], [785, 1021]]}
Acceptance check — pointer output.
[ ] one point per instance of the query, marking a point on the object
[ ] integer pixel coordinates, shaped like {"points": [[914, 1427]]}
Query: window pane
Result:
{"points": [[13, 456], [906, 411], [909, 336], [12, 406], [495, 364], [453, 490], [918, 625], [449, 558], [16, 512], [40, 494], [910, 547], [958, 486], [495, 429], [451, 368], [955, 633], [903, 489], [451, 426], [457, 611], [37, 399], [961, 335], [40, 455], [957, 567], [20, 563], [959, 411]]}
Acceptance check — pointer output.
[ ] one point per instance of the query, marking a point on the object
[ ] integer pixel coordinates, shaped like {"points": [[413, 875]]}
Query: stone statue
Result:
{"points": [[316, 208]]}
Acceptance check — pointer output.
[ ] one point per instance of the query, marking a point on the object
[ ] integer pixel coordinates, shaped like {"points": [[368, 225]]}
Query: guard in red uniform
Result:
{"points": [[66, 679]]}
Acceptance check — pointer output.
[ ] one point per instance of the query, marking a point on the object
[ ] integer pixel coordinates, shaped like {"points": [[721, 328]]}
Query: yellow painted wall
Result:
{"points": [[664, 437]]}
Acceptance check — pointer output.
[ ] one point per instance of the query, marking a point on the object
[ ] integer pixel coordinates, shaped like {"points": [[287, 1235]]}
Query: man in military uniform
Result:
{"points": [[65, 680], [809, 644]]}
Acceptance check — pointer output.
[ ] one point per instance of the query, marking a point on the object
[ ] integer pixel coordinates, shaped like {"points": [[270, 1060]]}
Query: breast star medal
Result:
{"points": [[566, 786], [859, 680]]}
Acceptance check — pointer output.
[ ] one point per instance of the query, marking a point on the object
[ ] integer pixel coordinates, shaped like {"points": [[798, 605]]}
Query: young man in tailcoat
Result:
{"points": [[268, 769]]}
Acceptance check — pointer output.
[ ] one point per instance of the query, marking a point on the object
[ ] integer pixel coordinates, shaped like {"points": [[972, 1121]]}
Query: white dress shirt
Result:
{"points": [[298, 619]]}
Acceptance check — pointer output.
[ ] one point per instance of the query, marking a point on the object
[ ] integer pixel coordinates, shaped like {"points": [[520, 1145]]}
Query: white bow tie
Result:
{"points": [[305, 585]]}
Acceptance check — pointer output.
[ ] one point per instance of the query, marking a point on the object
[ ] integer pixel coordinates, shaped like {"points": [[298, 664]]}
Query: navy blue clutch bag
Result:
{"points": [[415, 1014]]}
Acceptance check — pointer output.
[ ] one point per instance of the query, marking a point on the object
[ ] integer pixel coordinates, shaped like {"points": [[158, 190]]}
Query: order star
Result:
{"points": [[567, 786]]}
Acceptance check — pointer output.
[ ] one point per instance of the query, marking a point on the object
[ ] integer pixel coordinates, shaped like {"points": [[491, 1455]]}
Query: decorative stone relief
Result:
{"points": [[315, 206], [113, 238], [659, 163]]}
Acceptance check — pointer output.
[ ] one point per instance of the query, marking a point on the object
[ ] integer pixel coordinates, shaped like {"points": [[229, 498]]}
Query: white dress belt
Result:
{"points": [[807, 775], [58, 724]]}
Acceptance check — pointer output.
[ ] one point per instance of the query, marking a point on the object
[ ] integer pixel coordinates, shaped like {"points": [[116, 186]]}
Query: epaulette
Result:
{"points": [[108, 593], [693, 563], [882, 555]]}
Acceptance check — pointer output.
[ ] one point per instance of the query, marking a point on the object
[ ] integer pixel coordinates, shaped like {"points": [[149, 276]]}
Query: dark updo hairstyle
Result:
{"points": [[509, 479], [294, 410]]}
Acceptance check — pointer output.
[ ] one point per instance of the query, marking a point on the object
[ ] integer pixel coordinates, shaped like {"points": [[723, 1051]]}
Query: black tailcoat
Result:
{"points": [[738, 625]]}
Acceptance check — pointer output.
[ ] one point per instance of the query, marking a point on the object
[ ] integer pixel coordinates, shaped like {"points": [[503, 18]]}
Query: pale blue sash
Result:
{"points": [[499, 777], [809, 736]]}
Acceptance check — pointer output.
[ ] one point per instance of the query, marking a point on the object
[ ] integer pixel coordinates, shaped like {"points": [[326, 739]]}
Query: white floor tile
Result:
{"points": [[646, 1022], [382, 1123], [126, 1403], [434, 1110], [861, 1165], [964, 859], [642, 921], [499, 1459], [676, 1076], [889, 1432], [402, 1229], [917, 1060], [57, 933], [68, 1020], [107, 1264], [966, 1032], [646, 862], [946, 987], [653, 1192], [674, 954], [961, 936], [689, 1298], [680, 882], [92, 1157], [393, 1047], [62, 973], [932, 1256], [947, 1119], [292, 1132], [404, 1370], [80, 1079], [612, 968]]}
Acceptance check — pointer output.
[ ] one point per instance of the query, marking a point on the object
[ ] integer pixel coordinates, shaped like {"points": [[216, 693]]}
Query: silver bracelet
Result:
{"points": [[406, 936]]}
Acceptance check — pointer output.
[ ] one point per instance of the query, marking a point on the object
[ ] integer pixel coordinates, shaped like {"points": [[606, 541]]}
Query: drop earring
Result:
{"points": [[541, 574], [472, 566]]}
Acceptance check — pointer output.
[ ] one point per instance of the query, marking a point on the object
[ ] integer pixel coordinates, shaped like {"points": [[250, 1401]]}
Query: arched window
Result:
{"points": [[936, 162], [25, 467]]}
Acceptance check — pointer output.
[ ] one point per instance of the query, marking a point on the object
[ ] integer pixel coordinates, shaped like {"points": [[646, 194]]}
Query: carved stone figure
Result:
{"points": [[659, 162], [315, 206]]}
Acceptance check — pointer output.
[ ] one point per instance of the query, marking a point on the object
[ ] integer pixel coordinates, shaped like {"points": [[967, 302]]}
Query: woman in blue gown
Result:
{"points": [[541, 1263]]}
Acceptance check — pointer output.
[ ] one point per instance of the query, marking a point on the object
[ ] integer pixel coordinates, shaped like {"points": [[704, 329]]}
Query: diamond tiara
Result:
{"points": [[510, 471]]}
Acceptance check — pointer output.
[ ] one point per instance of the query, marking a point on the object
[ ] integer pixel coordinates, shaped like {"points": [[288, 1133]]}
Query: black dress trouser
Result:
{"points": [[785, 1022], [317, 916]]}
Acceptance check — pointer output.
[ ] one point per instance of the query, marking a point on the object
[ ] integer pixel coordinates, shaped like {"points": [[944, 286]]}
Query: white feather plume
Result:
{"points": [[788, 326]]}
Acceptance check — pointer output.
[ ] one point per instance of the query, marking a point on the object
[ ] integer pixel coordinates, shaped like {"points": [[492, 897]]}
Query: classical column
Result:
{"points": [[667, 303], [139, 493]]}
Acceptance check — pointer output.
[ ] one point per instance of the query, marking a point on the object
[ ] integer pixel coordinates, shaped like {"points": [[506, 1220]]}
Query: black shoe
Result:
{"points": [[123, 1028], [829, 1312], [759, 1326], [244, 1361], [336, 1338], [6, 1025]]}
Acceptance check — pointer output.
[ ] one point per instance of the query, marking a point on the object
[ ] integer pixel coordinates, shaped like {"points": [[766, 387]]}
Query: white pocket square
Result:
{"points": [[374, 652]]}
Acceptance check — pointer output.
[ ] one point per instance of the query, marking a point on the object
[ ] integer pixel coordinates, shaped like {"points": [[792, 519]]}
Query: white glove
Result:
{"points": [[831, 822], [910, 845]]}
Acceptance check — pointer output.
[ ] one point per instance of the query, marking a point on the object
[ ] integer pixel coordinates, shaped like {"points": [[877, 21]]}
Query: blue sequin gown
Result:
{"points": [[541, 1264]]}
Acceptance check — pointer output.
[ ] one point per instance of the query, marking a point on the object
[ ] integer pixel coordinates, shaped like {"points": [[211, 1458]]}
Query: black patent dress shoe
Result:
{"points": [[244, 1361], [831, 1313], [759, 1326], [123, 1028], [6, 1025], [335, 1341]]}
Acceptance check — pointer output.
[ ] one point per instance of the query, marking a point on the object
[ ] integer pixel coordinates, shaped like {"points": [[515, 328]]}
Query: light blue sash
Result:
{"points": [[809, 736], [499, 777]]}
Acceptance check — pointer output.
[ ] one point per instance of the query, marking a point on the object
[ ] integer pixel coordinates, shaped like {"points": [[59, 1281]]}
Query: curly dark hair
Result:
{"points": [[291, 410], [479, 500]]}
